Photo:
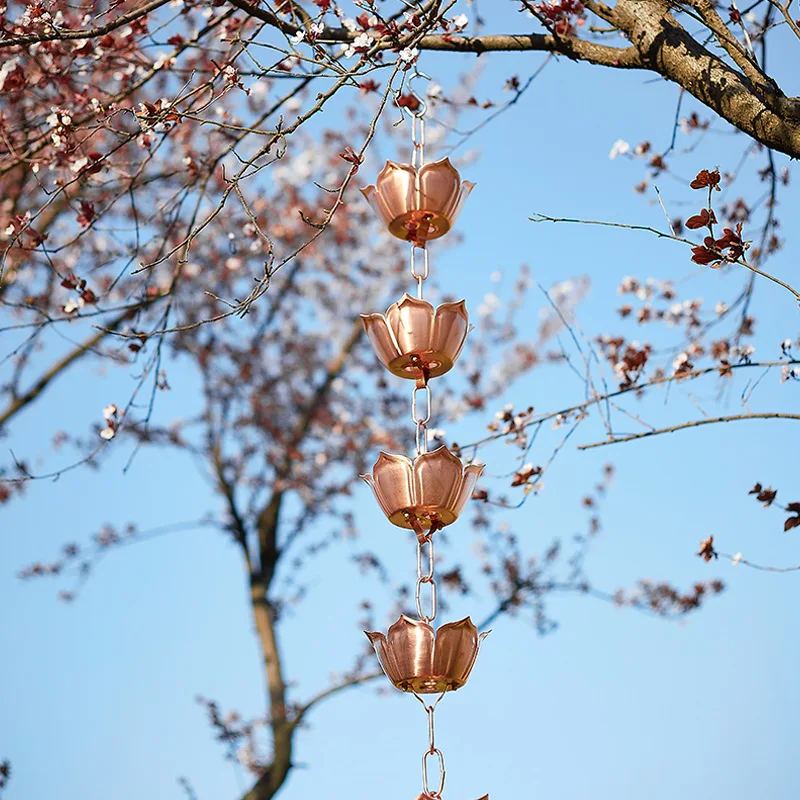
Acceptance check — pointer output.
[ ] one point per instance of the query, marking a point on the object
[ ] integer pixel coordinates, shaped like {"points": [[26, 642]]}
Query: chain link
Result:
{"points": [[432, 750], [421, 422], [426, 577], [419, 277], [418, 124]]}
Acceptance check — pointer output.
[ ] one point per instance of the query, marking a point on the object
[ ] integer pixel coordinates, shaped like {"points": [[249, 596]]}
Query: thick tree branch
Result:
{"points": [[264, 613], [762, 112]]}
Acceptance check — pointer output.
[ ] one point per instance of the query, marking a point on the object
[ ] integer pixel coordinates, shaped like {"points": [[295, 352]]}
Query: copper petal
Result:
{"points": [[438, 479], [411, 322], [392, 482], [381, 337], [396, 188], [385, 655], [455, 211], [412, 644], [471, 475], [450, 328], [439, 186]]}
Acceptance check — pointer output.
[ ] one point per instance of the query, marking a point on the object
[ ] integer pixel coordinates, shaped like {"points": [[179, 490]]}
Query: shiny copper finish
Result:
{"points": [[415, 341], [424, 796], [418, 659], [434, 487], [418, 206]]}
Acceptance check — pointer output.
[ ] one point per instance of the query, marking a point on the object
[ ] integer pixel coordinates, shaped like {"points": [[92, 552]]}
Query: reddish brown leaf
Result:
{"points": [[707, 551], [705, 178]]}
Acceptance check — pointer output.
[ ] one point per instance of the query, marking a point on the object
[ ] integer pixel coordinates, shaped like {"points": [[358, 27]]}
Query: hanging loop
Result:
{"points": [[426, 576], [424, 420], [419, 274], [421, 421], [435, 795], [418, 121], [422, 107], [430, 617]]}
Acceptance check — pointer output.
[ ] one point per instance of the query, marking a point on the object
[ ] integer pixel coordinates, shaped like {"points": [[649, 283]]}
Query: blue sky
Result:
{"points": [[98, 697]]}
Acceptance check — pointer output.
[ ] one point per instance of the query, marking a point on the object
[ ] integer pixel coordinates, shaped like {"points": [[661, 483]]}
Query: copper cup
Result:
{"points": [[418, 205], [418, 659], [433, 488], [415, 341]]}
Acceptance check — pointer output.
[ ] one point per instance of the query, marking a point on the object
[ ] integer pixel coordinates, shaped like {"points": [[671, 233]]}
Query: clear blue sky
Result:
{"points": [[98, 697]]}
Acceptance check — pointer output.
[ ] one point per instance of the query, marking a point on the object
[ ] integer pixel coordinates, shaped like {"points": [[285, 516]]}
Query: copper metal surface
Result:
{"points": [[412, 340], [418, 659], [431, 797], [433, 488], [418, 205]]}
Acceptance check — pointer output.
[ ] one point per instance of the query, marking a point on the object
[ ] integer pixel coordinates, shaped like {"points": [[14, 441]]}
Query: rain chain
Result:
{"points": [[419, 202]]}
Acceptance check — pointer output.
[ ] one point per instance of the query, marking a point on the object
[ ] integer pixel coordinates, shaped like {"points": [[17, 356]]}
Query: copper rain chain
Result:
{"points": [[419, 202]]}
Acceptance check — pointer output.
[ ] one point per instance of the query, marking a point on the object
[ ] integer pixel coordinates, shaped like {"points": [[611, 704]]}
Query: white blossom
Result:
{"points": [[620, 148], [408, 54], [460, 22]]}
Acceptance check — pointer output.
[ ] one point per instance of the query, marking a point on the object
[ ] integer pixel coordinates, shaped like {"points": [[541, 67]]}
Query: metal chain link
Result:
{"points": [[418, 122], [432, 750], [426, 577], [421, 422], [419, 277], [418, 161]]}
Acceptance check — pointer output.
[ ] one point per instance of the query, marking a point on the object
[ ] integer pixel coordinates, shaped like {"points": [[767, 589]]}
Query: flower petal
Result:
{"points": [[383, 341], [456, 650], [384, 653], [471, 475], [396, 188], [437, 479], [392, 483], [377, 203], [411, 323], [439, 185], [450, 327], [411, 642]]}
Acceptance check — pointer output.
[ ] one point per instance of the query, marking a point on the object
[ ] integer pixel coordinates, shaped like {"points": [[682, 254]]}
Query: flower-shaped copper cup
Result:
{"points": [[433, 488], [418, 659], [418, 205], [415, 341]]}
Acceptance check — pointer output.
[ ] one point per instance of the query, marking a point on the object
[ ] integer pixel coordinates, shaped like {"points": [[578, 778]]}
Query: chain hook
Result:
{"points": [[417, 121], [422, 108]]}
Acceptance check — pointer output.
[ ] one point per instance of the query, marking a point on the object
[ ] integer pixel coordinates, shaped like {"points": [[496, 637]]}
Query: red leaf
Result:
{"points": [[408, 101], [705, 178], [792, 522], [698, 221], [702, 255]]}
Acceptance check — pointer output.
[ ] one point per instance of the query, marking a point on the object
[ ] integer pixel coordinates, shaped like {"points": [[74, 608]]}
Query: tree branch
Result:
{"points": [[62, 35], [18, 403], [693, 424]]}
